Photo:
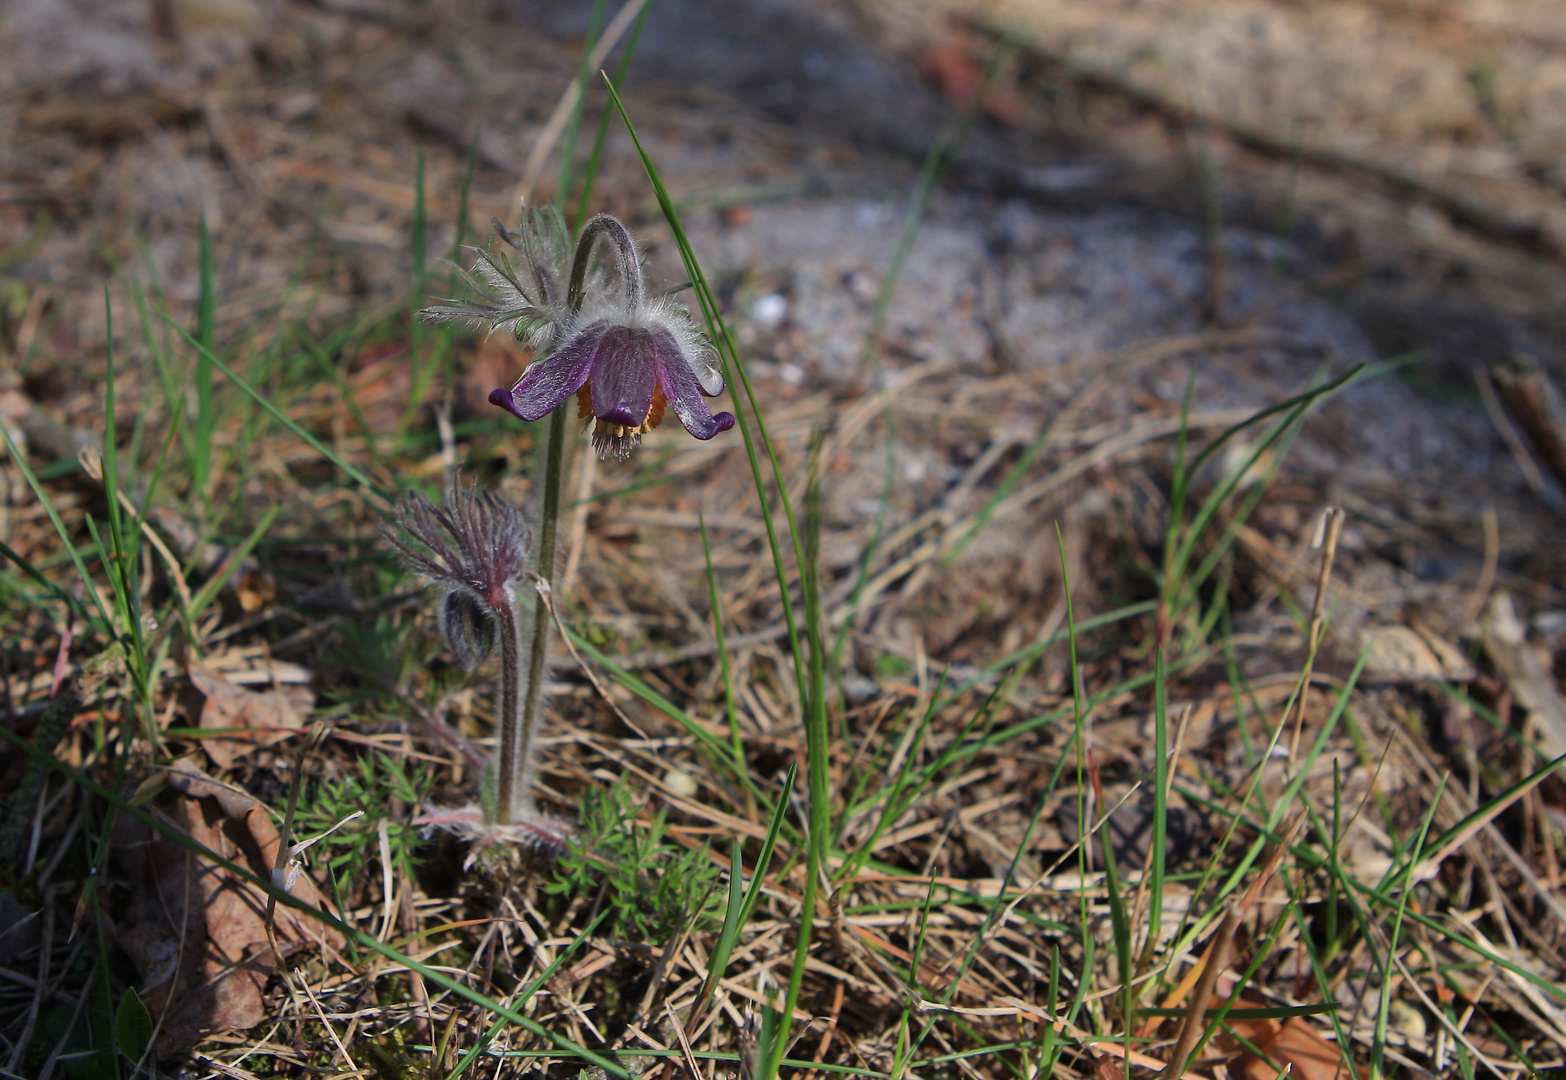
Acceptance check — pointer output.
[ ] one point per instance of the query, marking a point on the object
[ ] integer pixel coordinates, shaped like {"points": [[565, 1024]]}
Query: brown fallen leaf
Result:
{"points": [[255, 590], [959, 76], [274, 714], [1526, 674], [1293, 1044], [196, 933]]}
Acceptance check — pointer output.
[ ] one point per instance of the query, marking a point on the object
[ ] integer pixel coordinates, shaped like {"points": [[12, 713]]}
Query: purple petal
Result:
{"points": [[685, 393], [625, 376], [545, 385]]}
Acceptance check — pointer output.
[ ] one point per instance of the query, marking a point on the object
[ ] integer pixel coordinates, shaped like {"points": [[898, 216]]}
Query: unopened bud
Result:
{"points": [[467, 627]]}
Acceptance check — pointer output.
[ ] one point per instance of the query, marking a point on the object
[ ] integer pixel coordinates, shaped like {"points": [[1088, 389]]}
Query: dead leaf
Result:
{"points": [[498, 361], [960, 77], [1402, 654], [1294, 1044], [380, 384], [256, 590], [272, 714], [196, 933], [1530, 680]]}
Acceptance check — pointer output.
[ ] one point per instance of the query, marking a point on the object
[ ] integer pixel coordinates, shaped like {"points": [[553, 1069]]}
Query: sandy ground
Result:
{"points": [[1108, 198], [1240, 197]]}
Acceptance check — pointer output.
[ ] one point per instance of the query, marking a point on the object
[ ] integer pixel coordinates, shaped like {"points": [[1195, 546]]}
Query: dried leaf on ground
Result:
{"points": [[1506, 644], [196, 932], [272, 714], [1294, 1045], [1403, 654]]}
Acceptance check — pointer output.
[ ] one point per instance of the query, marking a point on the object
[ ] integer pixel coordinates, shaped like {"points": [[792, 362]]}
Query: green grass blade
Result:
{"points": [[292, 425], [206, 337], [715, 750], [730, 705], [1307, 397], [1159, 848], [595, 25], [727, 352], [743, 900], [1078, 741], [590, 173], [527, 994], [1378, 1046], [806, 671], [104, 622], [1487, 810], [1280, 1012], [1120, 924], [119, 562], [213, 585]]}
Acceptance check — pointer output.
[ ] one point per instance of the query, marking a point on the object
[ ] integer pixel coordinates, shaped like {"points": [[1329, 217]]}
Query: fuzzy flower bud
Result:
{"points": [[467, 628]]}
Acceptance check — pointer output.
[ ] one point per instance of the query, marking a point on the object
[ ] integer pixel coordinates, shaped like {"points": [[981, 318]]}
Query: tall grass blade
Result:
{"points": [[291, 424], [806, 671], [206, 337], [732, 368], [1157, 854], [98, 616], [590, 173], [743, 900], [574, 125], [527, 993], [1378, 1047], [730, 705]]}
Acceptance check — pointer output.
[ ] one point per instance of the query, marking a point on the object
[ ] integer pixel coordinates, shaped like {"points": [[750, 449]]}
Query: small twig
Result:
{"points": [[62, 661], [1328, 530], [91, 462], [1492, 556], [435, 724], [670, 955], [546, 597], [1508, 432], [685, 1044], [1216, 958], [327, 1024], [1538, 406], [563, 108], [388, 899], [578, 538], [448, 442], [284, 853]]}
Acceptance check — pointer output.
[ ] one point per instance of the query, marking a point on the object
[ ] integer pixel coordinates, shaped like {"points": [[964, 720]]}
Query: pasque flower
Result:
{"points": [[627, 357]]}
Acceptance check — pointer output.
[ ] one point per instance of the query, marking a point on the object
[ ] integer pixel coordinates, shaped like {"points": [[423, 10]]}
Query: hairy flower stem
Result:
{"points": [[521, 699], [514, 764], [513, 790]]}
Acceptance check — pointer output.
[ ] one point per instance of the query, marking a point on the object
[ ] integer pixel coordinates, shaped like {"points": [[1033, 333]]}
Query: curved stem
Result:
{"points": [[610, 228]]}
